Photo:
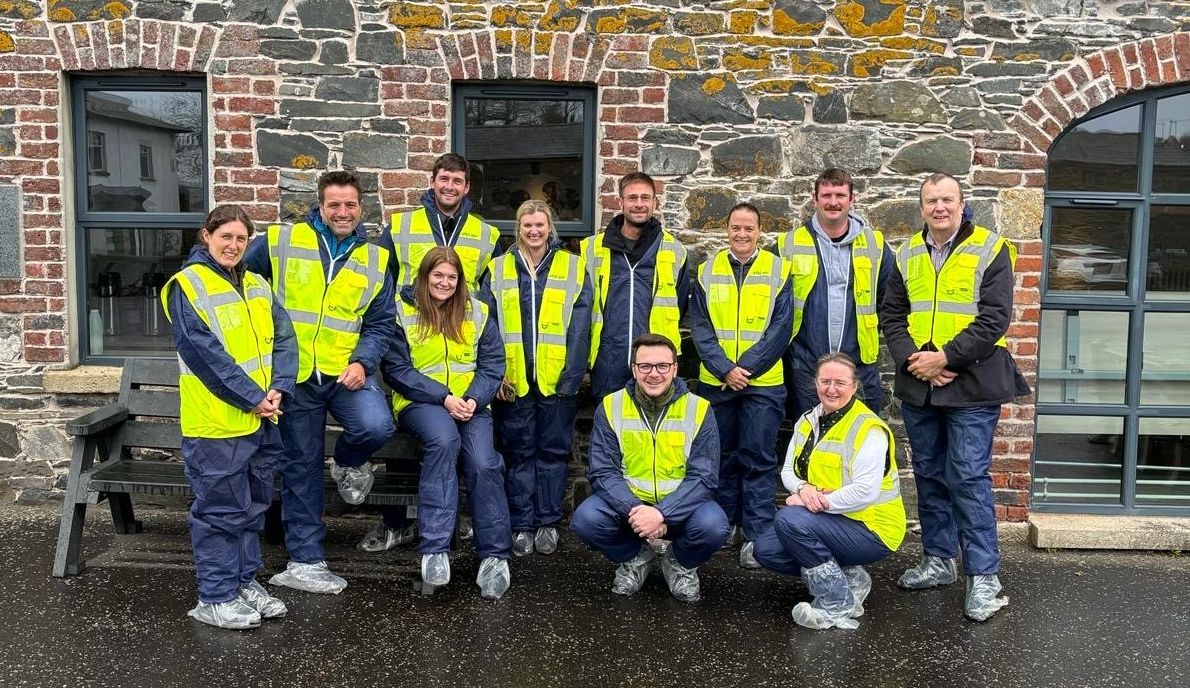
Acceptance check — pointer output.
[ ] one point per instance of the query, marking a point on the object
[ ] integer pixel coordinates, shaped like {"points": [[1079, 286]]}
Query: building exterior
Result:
{"points": [[122, 122]]}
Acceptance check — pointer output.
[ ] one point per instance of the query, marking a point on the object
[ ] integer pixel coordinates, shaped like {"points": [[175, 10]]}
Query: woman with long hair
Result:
{"points": [[238, 358], [445, 366]]}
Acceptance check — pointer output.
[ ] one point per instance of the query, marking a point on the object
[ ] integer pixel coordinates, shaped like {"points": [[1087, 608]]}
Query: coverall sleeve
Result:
{"points": [[400, 375], [285, 351], [204, 355], [767, 352], [896, 319], [489, 366], [978, 339], [376, 332], [702, 333], [702, 474], [605, 466], [257, 259], [578, 341]]}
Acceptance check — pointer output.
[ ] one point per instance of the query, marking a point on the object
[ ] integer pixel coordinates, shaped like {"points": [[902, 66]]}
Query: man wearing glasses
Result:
{"points": [[653, 469], [638, 273]]}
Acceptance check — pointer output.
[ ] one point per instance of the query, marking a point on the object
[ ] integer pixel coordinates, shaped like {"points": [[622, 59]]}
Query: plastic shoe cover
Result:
{"points": [[234, 614], [493, 578], [254, 595], [982, 597], [931, 572], [355, 482], [380, 538], [860, 584], [309, 578], [733, 537], [748, 556], [631, 575], [546, 540], [522, 543], [833, 602], [435, 569], [682, 581]]}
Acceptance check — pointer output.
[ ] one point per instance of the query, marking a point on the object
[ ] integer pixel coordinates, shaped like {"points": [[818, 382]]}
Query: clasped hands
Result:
{"points": [[647, 522], [459, 408], [737, 379], [930, 366], [809, 496], [270, 406]]}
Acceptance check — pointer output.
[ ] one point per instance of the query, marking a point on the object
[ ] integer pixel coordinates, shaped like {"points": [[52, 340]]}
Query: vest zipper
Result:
{"points": [[251, 324], [653, 431], [631, 305]]}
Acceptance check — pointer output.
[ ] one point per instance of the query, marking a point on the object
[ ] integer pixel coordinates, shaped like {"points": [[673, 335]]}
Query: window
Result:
{"points": [[136, 221], [529, 140], [96, 152], [1113, 387]]}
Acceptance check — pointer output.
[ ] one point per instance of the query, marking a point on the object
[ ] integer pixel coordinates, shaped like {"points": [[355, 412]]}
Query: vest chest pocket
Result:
{"points": [[719, 293], [299, 271], [826, 468], [229, 319], [351, 287], [671, 459], [802, 265], [957, 279]]}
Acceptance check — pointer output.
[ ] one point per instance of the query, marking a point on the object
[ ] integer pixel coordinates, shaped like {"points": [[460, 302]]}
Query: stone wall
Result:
{"points": [[721, 100]]}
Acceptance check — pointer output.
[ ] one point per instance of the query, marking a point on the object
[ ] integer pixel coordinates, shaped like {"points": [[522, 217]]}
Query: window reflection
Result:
{"points": [[1163, 462], [1168, 253], [1165, 370], [1100, 154], [1089, 249], [144, 151], [1079, 460], [1171, 145], [1083, 357]]}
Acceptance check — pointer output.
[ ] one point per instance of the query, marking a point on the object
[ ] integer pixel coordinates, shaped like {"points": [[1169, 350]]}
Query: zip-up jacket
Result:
{"points": [[441, 238]]}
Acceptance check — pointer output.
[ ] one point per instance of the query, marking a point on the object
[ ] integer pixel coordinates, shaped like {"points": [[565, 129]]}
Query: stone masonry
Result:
{"points": [[720, 99]]}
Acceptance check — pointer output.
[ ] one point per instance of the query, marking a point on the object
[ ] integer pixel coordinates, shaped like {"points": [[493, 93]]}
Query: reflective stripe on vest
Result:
{"points": [[326, 318], [244, 326], [562, 287], [654, 462], [413, 237], [943, 303], [798, 247], [832, 462], [741, 316], [664, 313], [438, 358]]}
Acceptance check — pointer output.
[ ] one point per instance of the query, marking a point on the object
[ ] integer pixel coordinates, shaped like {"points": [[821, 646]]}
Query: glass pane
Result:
{"points": [[121, 126], [1168, 270], [1079, 460], [1165, 374], [1083, 357], [523, 149], [1171, 149], [1163, 462], [1098, 155], [125, 271], [1089, 250]]}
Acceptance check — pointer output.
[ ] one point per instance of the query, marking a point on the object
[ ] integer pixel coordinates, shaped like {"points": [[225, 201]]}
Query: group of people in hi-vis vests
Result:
{"points": [[485, 354]]}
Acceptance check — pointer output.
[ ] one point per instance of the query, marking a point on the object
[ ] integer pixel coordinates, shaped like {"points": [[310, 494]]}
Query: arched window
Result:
{"points": [[1113, 389]]}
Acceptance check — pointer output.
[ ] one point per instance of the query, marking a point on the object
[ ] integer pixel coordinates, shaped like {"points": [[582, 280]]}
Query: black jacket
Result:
{"points": [[987, 374]]}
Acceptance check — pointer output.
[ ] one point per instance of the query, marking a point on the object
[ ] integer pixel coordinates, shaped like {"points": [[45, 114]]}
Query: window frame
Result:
{"points": [[537, 90], [97, 163], [146, 156], [86, 219]]}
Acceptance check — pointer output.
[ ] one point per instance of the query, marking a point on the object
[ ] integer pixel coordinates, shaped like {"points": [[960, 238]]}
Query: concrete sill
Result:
{"points": [[1079, 531], [83, 380]]}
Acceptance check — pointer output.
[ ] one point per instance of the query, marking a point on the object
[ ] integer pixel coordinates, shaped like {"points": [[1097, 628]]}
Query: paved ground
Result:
{"points": [[1076, 619]]}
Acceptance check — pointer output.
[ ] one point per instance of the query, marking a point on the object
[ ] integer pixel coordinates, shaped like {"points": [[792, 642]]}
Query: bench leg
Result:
{"points": [[122, 517], [67, 559]]}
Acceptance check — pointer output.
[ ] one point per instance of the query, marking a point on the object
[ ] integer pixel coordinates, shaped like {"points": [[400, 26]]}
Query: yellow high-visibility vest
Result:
{"points": [[563, 285], [244, 326], [943, 303], [741, 316], [327, 318], [832, 461], [664, 313], [797, 247], [438, 357], [413, 238], [655, 461]]}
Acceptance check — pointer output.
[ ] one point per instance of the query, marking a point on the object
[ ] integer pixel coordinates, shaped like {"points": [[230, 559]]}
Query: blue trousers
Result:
{"points": [[952, 454], [367, 423], [801, 539], [694, 539], [534, 434], [232, 481], [748, 421], [447, 443]]}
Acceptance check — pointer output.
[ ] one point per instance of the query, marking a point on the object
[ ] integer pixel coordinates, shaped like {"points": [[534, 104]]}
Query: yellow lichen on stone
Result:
{"points": [[631, 20], [701, 24], [304, 162], [929, 25], [27, 10], [820, 88], [409, 16], [7, 45], [115, 10], [713, 85], [555, 19], [814, 65], [524, 40], [1026, 57], [542, 43], [61, 14], [673, 52], [851, 16], [115, 32], [776, 41], [969, 51], [742, 23], [777, 86], [944, 70], [862, 63], [418, 39], [504, 40], [738, 60], [81, 35], [923, 45], [508, 15], [788, 26]]}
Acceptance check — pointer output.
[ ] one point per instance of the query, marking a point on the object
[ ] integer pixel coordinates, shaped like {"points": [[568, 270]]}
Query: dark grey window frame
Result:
{"points": [[97, 163], [86, 219], [537, 90], [1131, 303]]}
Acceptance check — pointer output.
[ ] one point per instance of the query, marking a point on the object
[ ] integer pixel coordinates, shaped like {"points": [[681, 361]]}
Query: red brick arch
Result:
{"points": [[135, 44]]}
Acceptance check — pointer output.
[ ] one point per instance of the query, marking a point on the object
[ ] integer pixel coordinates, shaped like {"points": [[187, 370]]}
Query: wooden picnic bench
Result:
{"points": [[104, 465]]}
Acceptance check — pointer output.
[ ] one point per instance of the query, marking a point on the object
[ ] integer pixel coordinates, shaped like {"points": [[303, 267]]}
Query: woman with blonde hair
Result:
{"points": [[445, 366]]}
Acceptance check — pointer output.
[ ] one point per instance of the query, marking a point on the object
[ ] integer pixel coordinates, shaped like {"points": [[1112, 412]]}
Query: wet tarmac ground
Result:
{"points": [[1075, 619]]}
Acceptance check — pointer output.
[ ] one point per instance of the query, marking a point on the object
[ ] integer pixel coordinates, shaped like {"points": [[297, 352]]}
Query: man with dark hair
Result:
{"points": [[443, 219], [741, 315], [839, 266], [334, 286], [638, 273], [653, 467], [948, 308]]}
